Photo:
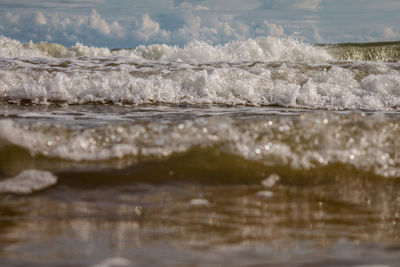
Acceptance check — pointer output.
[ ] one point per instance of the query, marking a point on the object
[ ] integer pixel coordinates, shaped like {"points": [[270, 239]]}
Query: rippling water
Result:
{"points": [[265, 151]]}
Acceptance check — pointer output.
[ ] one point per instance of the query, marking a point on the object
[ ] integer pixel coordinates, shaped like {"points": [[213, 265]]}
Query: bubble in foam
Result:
{"points": [[27, 182], [266, 194], [199, 202], [271, 180]]}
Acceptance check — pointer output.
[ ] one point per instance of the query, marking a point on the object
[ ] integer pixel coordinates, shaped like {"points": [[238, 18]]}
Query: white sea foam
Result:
{"points": [[260, 49], [199, 202], [27, 182], [355, 86], [264, 71], [14, 48], [266, 194], [271, 180], [309, 141], [10, 48]]}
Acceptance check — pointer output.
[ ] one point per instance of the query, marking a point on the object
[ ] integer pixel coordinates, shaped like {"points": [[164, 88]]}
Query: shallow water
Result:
{"points": [[176, 194], [259, 152]]}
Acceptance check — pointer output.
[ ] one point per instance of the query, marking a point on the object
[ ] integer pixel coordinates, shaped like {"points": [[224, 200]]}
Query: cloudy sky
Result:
{"points": [[129, 23]]}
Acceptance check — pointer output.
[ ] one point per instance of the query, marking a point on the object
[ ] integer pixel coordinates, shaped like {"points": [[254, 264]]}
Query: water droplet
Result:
{"points": [[268, 146]]}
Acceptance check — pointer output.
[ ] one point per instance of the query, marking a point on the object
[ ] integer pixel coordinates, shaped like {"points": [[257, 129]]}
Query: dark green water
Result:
{"points": [[380, 52]]}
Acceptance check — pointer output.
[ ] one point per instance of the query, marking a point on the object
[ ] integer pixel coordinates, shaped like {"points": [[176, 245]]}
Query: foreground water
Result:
{"points": [[258, 152]]}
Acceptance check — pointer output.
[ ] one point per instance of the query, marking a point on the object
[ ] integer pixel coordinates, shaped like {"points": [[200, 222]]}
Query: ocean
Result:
{"points": [[259, 152]]}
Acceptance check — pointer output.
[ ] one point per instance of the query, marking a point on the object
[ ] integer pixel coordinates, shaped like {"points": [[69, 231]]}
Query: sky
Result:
{"points": [[129, 23]]}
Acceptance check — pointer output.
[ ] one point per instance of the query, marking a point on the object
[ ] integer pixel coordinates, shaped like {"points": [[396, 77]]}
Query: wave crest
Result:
{"points": [[260, 49], [302, 142]]}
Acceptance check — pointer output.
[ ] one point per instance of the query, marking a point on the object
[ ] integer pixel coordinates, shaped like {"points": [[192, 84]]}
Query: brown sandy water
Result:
{"points": [[199, 186]]}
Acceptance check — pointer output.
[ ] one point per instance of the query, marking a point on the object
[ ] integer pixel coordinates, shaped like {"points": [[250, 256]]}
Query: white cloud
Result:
{"points": [[233, 5], [123, 24], [307, 4], [185, 5], [150, 30], [99, 24], [390, 34], [190, 30], [311, 5], [54, 4], [96, 30], [57, 27], [40, 19], [117, 29], [273, 29], [12, 18], [199, 7]]}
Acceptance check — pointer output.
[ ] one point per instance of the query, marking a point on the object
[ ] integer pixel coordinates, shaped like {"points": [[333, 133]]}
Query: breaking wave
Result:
{"points": [[379, 52], [27, 182], [307, 141], [368, 86], [257, 72], [261, 49]]}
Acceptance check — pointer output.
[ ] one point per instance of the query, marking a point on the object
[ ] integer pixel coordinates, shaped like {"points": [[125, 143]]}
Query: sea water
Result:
{"points": [[263, 151]]}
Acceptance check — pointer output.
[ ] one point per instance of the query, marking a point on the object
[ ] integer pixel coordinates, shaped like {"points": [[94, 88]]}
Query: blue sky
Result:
{"points": [[129, 23]]}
